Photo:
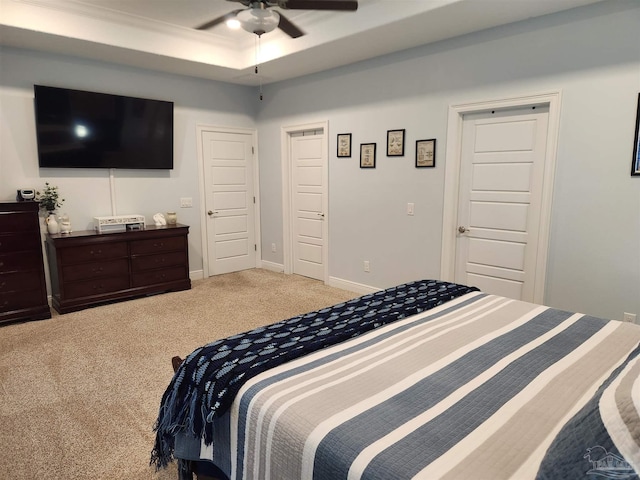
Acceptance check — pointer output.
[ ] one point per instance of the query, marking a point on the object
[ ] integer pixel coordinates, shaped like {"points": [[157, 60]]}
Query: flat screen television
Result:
{"points": [[78, 129]]}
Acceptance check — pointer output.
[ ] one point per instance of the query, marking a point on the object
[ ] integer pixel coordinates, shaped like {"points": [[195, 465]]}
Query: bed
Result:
{"points": [[424, 380]]}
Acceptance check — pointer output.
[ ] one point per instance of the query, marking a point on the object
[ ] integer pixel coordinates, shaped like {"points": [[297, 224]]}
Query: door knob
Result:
{"points": [[210, 213], [462, 229]]}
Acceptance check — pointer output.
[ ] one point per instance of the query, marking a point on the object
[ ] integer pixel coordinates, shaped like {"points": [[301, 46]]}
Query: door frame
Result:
{"points": [[453, 159], [287, 230], [200, 129]]}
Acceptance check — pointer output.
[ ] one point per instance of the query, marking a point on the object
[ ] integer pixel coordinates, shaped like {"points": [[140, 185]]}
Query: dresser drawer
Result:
{"points": [[91, 253], [17, 243], [18, 222], [19, 281], [112, 268], [161, 260], [18, 300], [20, 261], [96, 286], [155, 245], [159, 276]]}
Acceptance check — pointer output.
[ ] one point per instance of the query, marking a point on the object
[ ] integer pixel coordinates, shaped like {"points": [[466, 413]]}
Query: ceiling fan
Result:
{"points": [[258, 17]]}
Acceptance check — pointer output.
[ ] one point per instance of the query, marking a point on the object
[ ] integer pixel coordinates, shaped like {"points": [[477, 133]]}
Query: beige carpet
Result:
{"points": [[79, 393]]}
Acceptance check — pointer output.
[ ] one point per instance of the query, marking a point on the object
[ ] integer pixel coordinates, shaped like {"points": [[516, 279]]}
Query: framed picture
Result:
{"points": [[426, 153], [395, 143], [344, 145], [635, 163], [367, 155]]}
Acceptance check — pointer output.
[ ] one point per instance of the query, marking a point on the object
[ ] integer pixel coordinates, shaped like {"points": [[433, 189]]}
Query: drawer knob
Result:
{"points": [[1, 264]]}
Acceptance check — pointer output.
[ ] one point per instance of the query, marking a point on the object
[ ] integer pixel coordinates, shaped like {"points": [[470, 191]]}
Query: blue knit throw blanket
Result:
{"points": [[207, 381]]}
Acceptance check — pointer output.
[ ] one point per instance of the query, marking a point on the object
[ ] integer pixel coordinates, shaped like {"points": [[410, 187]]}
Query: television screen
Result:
{"points": [[97, 130]]}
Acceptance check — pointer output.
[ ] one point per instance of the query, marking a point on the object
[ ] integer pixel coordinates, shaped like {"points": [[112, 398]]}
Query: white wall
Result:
{"points": [[590, 54], [88, 191]]}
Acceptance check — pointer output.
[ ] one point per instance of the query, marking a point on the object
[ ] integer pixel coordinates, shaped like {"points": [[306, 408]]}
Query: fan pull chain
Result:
{"points": [[257, 42], [257, 49]]}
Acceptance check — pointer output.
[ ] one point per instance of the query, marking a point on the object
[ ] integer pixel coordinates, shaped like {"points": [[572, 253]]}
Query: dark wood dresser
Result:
{"points": [[89, 268], [23, 291]]}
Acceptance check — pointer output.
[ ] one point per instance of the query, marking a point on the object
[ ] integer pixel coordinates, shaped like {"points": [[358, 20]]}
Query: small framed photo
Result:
{"points": [[426, 153], [367, 155], [395, 143], [344, 145], [635, 163]]}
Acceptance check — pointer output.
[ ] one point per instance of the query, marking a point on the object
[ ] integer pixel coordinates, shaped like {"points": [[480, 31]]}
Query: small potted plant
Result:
{"points": [[50, 200]]}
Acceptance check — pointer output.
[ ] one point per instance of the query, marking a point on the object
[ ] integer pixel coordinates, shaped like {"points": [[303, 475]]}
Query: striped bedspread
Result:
{"points": [[481, 387]]}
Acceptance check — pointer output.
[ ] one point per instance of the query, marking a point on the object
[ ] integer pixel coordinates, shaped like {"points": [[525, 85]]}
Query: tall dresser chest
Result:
{"points": [[23, 291]]}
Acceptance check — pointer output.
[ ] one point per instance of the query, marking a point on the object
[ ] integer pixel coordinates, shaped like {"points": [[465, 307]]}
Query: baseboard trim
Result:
{"points": [[351, 286], [196, 275], [274, 267]]}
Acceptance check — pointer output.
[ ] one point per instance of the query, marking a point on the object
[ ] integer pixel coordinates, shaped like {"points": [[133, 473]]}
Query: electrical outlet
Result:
{"points": [[273, 247], [186, 202], [410, 208], [367, 267], [629, 317]]}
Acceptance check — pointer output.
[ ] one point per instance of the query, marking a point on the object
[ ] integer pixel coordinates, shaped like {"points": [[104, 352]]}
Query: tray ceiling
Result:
{"points": [[160, 34]]}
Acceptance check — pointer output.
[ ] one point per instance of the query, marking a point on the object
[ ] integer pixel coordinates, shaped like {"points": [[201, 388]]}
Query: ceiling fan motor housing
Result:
{"points": [[258, 20]]}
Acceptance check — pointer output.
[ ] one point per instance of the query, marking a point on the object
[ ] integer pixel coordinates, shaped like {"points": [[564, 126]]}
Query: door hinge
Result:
{"points": [[253, 152], [254, 199], [255, 247]]}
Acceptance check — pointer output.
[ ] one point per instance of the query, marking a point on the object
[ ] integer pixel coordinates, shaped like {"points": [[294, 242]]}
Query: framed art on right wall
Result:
{"points": [[367, 155], [344, 145], [635, 162], [395, 143], [426, 153]]}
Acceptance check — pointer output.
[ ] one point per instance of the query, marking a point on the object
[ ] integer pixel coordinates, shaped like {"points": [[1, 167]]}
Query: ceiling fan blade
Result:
{"points": [[218, 21], [341, 5], [289, 28]]}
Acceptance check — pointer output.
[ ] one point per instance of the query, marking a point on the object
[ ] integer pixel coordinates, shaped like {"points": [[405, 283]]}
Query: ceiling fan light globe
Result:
{"points": [[258, 21], [233, 24]]}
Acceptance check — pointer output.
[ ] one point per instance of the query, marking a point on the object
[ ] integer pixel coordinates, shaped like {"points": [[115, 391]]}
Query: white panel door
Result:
{"points": [[501, 180], [229, 201], [308, 156]]}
